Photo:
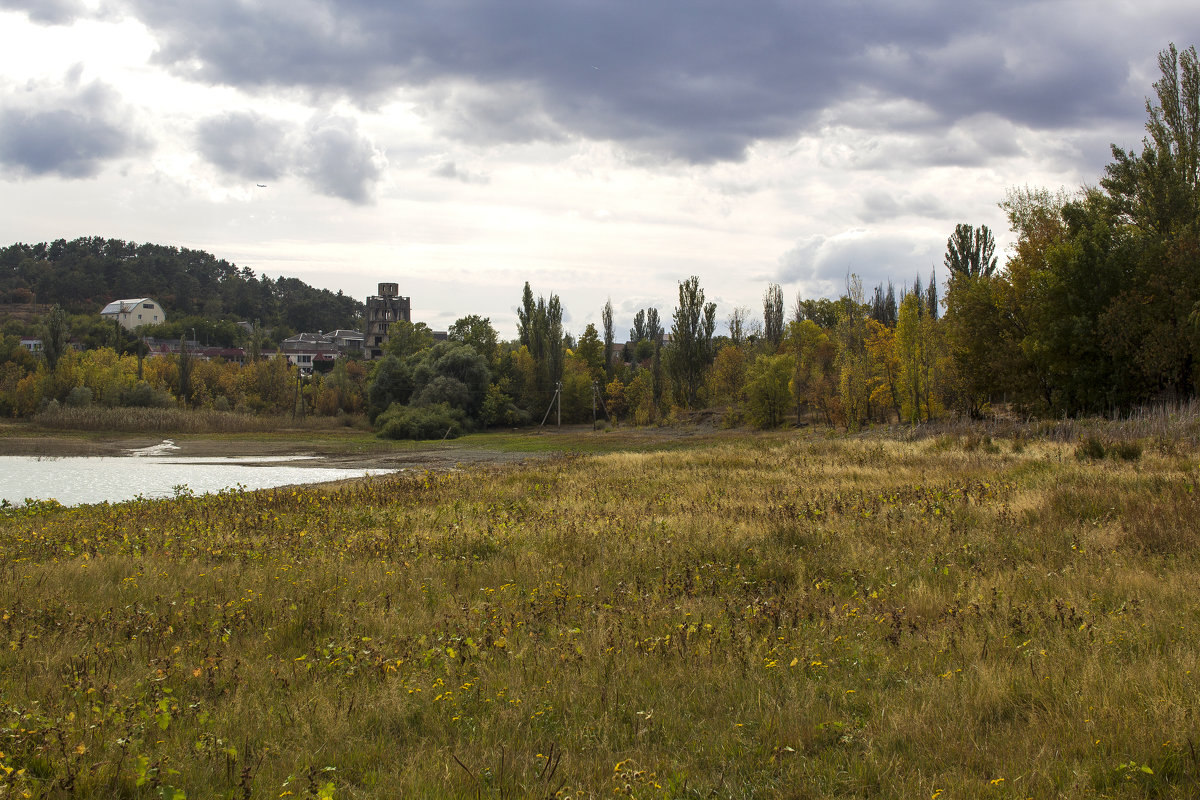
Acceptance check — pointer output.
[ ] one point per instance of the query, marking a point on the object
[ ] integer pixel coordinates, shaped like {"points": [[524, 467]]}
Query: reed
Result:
{"points": [[173, 420]]}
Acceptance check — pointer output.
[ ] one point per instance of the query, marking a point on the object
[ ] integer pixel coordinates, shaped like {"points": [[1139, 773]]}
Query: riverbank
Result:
{"points": [[357, 448]]}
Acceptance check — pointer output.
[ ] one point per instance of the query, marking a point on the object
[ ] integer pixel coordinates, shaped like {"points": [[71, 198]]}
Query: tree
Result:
{"points": [[391, 383], [1158, 190], [590, 351], [654, 328], [727, 376], [737, 325], [773, 315], [452, 373], [1156, 199], [54, 336], [768, 397], [970, 251], [478, 333], [814, 384], [606, 317], [983, 336], [540, 326], [638, 332], [406, 339], [852, 363], [525, 317], [885, 368], [691, 346], [910, 350]]}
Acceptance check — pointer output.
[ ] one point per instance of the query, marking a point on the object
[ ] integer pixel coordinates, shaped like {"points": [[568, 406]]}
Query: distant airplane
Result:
{"points": [[261, 185]]}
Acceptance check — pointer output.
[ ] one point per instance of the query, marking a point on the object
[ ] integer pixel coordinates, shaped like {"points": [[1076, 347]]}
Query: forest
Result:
{"points": [[83, 275], [1095, 310]]}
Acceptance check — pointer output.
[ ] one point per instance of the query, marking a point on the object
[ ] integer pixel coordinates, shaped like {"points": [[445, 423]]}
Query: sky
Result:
{"points": [[598, 149]]}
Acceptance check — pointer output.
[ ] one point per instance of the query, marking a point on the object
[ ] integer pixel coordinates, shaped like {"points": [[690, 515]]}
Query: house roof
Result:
{"points": [[121, 306]]}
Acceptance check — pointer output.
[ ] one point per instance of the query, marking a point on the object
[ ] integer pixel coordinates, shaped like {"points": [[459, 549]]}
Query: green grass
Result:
{"points": [[782, 615]]}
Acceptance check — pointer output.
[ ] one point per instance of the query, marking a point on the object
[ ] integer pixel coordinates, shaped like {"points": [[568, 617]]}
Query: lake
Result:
{"points": [[74, 480]]}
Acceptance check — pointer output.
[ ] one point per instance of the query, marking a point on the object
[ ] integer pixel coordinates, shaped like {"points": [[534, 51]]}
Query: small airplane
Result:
{"points": [[261, 185]]}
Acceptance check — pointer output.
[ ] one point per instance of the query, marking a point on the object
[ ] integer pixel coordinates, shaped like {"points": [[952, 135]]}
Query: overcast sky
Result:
{"points": [[595, 148]]}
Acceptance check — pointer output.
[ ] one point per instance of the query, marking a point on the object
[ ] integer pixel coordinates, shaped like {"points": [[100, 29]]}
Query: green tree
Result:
{"points": [[477, 332], [407, 339], [391, 382], [1156, 199], [606, 317], [54, 336], [768, 396], [452, 373], [970, 251], [814, 380], [691, 345], [591, 351], [852, 363], [727, 377]]}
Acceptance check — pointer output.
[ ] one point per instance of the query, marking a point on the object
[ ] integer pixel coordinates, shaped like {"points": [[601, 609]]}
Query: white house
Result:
{"points": [[134, 313]]}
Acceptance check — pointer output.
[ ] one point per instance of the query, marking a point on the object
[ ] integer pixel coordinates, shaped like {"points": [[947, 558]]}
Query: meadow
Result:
{"points": [[790, 614]]}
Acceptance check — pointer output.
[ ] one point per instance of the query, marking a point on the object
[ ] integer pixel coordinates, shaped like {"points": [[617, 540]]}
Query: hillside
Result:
{"points": [[84, 274]]}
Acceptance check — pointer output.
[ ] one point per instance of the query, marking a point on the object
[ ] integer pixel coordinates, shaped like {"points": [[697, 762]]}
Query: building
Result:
{"points": [[384, 309], [309, 351], [345, 341], [134, 313]]}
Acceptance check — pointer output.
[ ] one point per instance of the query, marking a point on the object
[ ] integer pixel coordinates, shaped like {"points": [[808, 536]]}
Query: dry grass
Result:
{"points": [[781, 615], [176, 421]]}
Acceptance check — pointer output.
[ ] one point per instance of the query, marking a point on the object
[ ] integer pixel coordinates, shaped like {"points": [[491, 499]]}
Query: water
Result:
{"points": [[80, 480]]}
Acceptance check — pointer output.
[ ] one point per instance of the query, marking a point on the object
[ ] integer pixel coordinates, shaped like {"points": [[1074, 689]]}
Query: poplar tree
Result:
{"points": [[691, 345]]}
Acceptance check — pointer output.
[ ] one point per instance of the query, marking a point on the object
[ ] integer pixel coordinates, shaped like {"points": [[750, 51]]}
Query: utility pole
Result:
{"points": [[556, 399]]}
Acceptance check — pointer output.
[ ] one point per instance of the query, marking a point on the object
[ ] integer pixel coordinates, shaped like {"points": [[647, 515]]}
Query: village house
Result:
{"points": [[134, 313]]}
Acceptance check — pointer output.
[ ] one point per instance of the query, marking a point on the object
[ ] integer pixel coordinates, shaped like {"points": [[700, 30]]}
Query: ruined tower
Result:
{"points": [[383, 310]]}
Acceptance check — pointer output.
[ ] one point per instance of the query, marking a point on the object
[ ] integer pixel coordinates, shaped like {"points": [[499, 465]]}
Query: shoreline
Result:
{"points": [[331, 453]]}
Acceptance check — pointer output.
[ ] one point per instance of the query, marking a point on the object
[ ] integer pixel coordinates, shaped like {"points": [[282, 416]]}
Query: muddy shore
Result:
{"points": [[434, 456]]}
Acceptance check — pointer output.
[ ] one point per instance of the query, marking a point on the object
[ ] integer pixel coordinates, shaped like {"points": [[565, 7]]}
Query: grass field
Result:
{"points": [[775, 615]]}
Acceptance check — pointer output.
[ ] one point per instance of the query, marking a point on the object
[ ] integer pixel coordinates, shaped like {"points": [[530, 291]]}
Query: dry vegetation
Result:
{"points": [[781, 615]]}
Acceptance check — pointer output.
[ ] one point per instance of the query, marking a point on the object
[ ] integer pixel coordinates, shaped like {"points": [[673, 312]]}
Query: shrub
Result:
{"points": [[1127, 450], [143, 395], [1090, 449], [438, 421], [79, 397]]}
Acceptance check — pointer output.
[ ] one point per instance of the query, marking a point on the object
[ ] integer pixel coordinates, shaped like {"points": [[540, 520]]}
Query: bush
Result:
{"points": [[438, 421], [1129, 450], [1093, 449], [1090, 449], [143, 395], [79, 397]]}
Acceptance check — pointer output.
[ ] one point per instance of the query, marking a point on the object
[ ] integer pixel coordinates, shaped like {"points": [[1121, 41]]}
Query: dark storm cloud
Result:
{"points": [[49, 12], [69, 129], [330, 153], [677, 78]]}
